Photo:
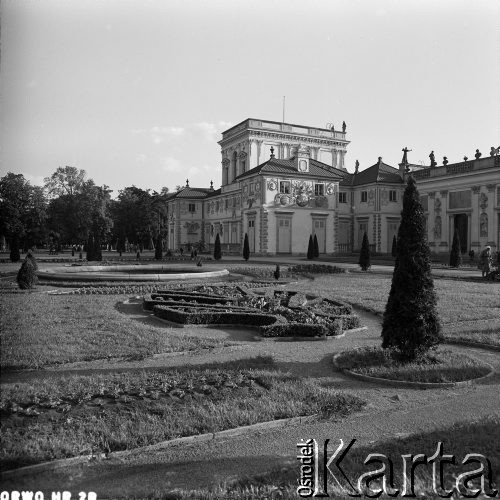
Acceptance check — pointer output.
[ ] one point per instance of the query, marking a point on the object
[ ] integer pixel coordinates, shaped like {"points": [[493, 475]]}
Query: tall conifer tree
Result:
{"points": [[411, 323]]}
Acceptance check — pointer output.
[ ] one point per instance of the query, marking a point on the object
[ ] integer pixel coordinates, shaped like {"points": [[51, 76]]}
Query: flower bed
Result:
{"points": [[148, 305], [209, 316]]}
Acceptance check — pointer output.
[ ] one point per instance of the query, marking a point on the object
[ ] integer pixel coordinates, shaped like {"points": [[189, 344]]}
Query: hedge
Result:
{"points": [[212, 316], [349, 321], [301, 330], [199, 299], [316, 268], [148, 305]]}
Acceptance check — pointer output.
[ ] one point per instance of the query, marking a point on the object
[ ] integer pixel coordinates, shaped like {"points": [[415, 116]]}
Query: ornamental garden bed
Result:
{"points": [[278, 313], [435, 367]]}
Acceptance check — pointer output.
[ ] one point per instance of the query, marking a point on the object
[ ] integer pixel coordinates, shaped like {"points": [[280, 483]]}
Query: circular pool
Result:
{"points": [[134, 272]]}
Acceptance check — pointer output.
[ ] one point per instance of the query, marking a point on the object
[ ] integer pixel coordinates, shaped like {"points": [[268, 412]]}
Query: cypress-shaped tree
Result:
{"points": [[315, 246], [26, 276], [15, 255], [411, 323], [364, 254], [90, 248], [159, 248], [310, 248], [246, 248], [30, 256], [394, 248], [455, 257], [217, 248]]}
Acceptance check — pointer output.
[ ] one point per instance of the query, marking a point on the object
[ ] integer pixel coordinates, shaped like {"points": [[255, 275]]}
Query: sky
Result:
{"points": [[137, 92]]}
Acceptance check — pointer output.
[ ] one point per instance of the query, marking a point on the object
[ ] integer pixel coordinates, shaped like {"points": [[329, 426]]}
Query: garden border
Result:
{"points": [[409, 384]]}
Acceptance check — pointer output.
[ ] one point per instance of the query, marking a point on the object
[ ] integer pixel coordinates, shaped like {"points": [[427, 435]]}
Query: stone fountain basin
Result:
{"points": [[134, 272]]}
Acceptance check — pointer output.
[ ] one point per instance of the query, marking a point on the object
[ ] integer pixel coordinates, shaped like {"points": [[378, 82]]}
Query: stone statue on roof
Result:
{"points": [[344, 126], [433, 159], [405, 155]]}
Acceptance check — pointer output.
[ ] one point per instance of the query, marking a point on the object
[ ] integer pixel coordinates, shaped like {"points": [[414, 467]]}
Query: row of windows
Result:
{"points": [[364, 196]]}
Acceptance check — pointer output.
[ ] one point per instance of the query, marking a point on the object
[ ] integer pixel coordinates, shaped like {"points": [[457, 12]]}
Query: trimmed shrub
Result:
{"points": [[394, 248], [15, 255], [26, 276], [455, 257], [32, 259], [316, 268], [364, 255], [349, 321], [411, 324], [205, 316], [159, 248], [277, 272], [310, 248], [293, 330], [246, 248], [315, 246], [217, 248]]}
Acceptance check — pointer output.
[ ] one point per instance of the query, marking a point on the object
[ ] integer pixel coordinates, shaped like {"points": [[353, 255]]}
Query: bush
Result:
{"points": [[15, 255], [294, 329], [205, 316], [455, 257], [310, 248], [349, 321], [246, 248], [411, 323], [315, 247], [364, 255], [217, 249], [315, 269], [159, 248], [26, 276]]}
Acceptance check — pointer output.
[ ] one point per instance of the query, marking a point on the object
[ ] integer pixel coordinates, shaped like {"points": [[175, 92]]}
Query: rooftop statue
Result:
{"points": [[433, 159]]}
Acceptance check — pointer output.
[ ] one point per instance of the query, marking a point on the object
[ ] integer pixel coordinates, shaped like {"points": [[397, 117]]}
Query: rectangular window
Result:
{"points": [[364, 196], [460, 199], [319, 189], [285, 187], [226, 203], [393, 195], [342, 197], [251, 223], [192, 207]]}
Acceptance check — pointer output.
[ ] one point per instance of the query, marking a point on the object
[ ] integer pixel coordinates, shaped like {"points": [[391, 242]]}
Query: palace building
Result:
{"points": [[281, 183]]}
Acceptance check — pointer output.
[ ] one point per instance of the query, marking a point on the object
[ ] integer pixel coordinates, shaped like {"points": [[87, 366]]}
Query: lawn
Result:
{"points": [[74, 415], [433, 367], [482, 437], [467, 309], [39, 329]]}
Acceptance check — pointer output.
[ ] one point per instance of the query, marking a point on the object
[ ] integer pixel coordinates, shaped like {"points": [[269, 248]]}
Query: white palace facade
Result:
{"points": [[281, 183]]}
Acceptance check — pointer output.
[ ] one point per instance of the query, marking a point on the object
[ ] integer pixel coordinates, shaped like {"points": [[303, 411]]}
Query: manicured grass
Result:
{"points": [[481, 437], [439, 366], [63, 417], [463, 306], [38, 329]]}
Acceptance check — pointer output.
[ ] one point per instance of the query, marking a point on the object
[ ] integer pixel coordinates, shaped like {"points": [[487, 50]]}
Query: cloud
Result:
{"points": [[170, 164], [210, 132], [141, 157]]}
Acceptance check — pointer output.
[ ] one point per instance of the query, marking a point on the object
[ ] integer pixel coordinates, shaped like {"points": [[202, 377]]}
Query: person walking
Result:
{"points": [[485, 260]]}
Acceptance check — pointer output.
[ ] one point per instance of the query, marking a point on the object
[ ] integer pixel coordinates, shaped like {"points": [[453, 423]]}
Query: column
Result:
{"points": [[446, 224], [259, 150], [334, 158], [490, 211]]}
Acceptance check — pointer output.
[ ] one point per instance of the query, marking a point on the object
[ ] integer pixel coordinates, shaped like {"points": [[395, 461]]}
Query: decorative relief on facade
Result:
{"points": [[272, 184], [437, 205], [432, 194], [476, 189], [483, 201], [437, 227], [483, 225], [192, 227], [330, 188], [226, 162], [490, 187], [242, 155], [384, 197], [444, 193], [371, 197]]}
